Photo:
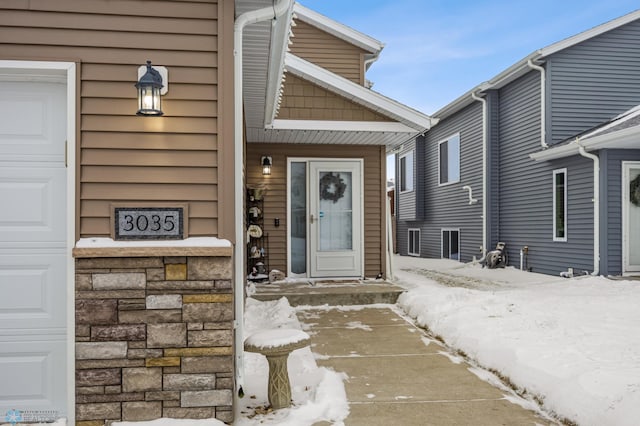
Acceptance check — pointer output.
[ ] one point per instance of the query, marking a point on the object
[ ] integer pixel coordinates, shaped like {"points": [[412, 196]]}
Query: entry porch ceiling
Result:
{"points": [[257, 54]]}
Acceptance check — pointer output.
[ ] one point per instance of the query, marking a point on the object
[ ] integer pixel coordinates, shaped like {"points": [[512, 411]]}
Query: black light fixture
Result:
{"points": [[149, 87], [266, 165]]}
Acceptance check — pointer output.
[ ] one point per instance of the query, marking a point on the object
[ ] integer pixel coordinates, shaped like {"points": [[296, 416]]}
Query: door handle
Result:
{"points": [[312, 218]]}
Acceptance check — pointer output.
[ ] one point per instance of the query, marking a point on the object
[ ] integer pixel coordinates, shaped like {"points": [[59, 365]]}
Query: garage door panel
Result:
{"points": [[32, 197], [30, 372], [33, 124], [34, 257], [33, 290]]}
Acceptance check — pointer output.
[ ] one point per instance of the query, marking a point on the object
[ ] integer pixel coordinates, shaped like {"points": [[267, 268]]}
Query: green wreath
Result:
{"points": [[634, 191], [332, 187]]}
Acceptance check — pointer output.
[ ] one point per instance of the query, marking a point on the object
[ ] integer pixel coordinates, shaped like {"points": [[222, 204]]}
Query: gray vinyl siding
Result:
{"points": [[448, 206], [611, 208], [593, 81], [525, 188]]}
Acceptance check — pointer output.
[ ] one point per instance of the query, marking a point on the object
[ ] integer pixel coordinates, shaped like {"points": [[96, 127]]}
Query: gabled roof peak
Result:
{"points": [[337, 29]]}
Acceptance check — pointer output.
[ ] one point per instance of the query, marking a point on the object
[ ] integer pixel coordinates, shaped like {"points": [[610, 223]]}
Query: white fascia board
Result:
{"points": [[623, 139], [337, 29], [555, 152], [355, 92], [593, 32], [280, 32], [342, 126]]}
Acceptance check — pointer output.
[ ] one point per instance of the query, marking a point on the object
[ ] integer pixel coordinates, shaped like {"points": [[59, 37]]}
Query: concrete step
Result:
{"points": [[330, 292]]}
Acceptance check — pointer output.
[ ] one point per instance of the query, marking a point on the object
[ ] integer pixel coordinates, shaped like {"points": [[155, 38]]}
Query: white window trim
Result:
{"points": [[409, 239], [411, 153], [459, 155], [442, 230], [566, 211]]}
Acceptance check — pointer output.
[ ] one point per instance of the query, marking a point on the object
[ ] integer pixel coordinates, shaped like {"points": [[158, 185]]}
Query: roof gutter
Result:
{"points": [[252, 17]]}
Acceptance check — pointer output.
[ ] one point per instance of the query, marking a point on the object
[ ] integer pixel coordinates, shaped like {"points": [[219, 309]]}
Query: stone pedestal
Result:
{"points": [[278, 387], [154, 333]]}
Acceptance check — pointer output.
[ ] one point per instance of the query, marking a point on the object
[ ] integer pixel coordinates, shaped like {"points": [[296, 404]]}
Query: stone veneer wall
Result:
{"points": [[154, 337]]}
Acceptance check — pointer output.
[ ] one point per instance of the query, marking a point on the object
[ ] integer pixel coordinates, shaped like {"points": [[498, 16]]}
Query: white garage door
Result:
{"points": [[33, 259]]}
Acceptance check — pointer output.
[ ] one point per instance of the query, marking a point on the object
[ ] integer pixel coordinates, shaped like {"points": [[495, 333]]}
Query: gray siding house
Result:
{"points": [[554, 143]]}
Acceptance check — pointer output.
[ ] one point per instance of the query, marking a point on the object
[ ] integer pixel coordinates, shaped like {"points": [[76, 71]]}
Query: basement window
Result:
{"points": [[414, 242], [450, 243]]}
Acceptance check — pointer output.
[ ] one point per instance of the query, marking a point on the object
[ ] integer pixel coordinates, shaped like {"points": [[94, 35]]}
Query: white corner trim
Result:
{"points": [[356, 93], [337, 29], [342, 126]]}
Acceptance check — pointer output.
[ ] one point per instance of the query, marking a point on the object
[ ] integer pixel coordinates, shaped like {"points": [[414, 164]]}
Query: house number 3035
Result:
{"points": [[149, 223]]}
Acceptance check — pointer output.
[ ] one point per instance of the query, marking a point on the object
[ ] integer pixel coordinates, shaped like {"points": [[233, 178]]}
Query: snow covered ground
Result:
{"points": [[573, 344]]}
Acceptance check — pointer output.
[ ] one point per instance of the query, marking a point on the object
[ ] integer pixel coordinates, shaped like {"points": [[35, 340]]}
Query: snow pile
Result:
{"points": [[572, 343], [318, 393]]}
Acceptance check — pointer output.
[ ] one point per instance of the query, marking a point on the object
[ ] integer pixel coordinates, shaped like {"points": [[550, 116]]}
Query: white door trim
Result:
{"points": [[360, 196], [46, 71], [627, 269]]}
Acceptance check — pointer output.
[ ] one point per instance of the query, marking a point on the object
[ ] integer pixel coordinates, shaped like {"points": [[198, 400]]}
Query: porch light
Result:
{"points": [[266, 165], [149, 87]]}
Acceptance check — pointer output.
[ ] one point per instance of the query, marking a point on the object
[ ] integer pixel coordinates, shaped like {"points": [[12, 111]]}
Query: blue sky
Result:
{"points": [[436, 50]]}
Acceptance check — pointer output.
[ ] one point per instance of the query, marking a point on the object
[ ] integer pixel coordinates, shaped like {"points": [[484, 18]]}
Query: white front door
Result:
{"points": [[33, 244], [631, 216], [335, 218]]}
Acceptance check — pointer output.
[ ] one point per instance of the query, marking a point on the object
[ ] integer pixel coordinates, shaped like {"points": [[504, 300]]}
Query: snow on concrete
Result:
{"points": [[572, 343], [172, 422]]}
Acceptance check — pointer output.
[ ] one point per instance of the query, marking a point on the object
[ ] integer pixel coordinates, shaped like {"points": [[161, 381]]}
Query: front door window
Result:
{"points": [[325, 212]]}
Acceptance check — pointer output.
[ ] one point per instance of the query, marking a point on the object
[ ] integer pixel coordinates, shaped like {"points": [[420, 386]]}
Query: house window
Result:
{"points": [[406, 172], [451, 244], [449, 160], [560, 205], [414, 242]]}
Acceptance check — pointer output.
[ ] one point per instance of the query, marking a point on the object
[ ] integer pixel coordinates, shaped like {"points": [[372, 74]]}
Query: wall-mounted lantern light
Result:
{"points": [[266, 165], [150, 88]]}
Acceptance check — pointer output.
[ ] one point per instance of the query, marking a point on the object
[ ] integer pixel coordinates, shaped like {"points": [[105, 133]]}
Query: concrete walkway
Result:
{"points": [[398, 376]]}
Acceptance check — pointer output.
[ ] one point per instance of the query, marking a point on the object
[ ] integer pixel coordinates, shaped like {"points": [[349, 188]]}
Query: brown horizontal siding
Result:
{"points": [[79, 21], [327, 51], [139, 8], [197, 209], [303, 100], [149, 141], [122, 157], [275, 202]]}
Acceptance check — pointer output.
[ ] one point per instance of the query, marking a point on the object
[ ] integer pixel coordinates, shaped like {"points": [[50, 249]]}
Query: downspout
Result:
{"points": [[596, 206], [247, 18], [543, 103], [484, 174]]}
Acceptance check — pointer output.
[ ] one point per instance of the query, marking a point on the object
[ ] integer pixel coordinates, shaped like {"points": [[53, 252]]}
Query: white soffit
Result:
{"points": [[356, 93], [343, 126], [337, 29]]}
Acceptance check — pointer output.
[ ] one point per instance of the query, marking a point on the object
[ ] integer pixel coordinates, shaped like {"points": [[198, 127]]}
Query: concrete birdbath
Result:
{"points": [[276, 345]]}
